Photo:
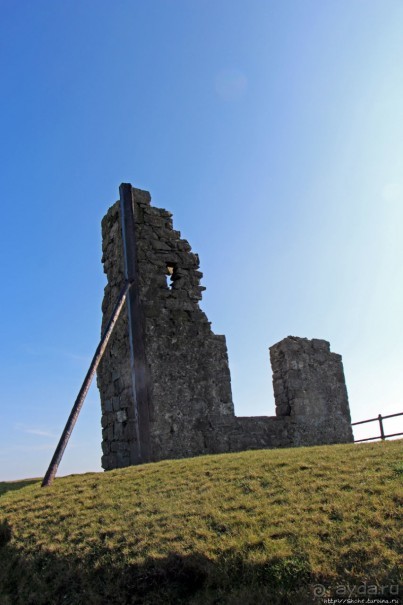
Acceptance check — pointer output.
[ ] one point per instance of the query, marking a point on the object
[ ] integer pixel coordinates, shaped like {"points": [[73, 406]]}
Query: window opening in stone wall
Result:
{"points": [[169, 273]]}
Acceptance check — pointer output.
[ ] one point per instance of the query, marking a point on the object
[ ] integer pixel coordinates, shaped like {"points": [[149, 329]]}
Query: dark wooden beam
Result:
{"points": [[68, 429], [138, 362]]}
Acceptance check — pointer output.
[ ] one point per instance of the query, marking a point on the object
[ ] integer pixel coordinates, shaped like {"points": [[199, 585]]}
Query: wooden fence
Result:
{"points": [[379, 419]]}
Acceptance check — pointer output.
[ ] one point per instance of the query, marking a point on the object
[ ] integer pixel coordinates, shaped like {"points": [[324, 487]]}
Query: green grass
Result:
{"points": [[254, 528], [8, 486]]}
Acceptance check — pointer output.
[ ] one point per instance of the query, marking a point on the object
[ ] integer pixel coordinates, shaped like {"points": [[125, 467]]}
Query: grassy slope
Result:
{"points": [[250, 528]]}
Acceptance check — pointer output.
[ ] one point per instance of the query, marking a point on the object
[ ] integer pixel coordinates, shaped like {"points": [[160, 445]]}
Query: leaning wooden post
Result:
{"points": [[57, 456], [381, 426]]}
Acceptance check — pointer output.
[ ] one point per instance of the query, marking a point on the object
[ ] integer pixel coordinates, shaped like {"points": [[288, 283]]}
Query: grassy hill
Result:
{"points": [[262, 527]]}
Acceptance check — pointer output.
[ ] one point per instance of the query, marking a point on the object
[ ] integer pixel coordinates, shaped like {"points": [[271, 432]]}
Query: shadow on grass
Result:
{"points": [[98, 575], [99, 579], [8, 486]]}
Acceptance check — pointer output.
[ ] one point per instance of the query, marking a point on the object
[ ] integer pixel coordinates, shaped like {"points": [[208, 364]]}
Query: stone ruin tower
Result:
{"points": [[164, 380]]}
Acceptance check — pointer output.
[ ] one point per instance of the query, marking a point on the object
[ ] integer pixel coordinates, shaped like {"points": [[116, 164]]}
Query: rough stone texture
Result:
{"points": [[191, 410], [310, 389]]}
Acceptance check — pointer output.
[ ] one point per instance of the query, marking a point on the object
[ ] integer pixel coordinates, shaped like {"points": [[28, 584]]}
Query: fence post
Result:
{"points": [[381, 426]]}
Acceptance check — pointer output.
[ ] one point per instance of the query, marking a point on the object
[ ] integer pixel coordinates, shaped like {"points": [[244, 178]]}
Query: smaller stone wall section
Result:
{"points": [[309, 387]]}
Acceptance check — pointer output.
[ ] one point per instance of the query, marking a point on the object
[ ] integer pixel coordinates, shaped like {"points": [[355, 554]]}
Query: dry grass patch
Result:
{"points": [[250, 528]]}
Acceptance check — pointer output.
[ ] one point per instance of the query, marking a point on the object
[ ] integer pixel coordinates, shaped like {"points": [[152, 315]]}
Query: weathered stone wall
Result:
{"points": [[188, 363], [191, 410], [309, 387]]}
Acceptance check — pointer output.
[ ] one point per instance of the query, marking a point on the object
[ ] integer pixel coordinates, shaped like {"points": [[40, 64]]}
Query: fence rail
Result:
{"points": [[379, 419]]}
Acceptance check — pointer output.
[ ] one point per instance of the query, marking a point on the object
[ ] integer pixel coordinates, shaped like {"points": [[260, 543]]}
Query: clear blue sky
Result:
{"points": [[272, 129]]}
